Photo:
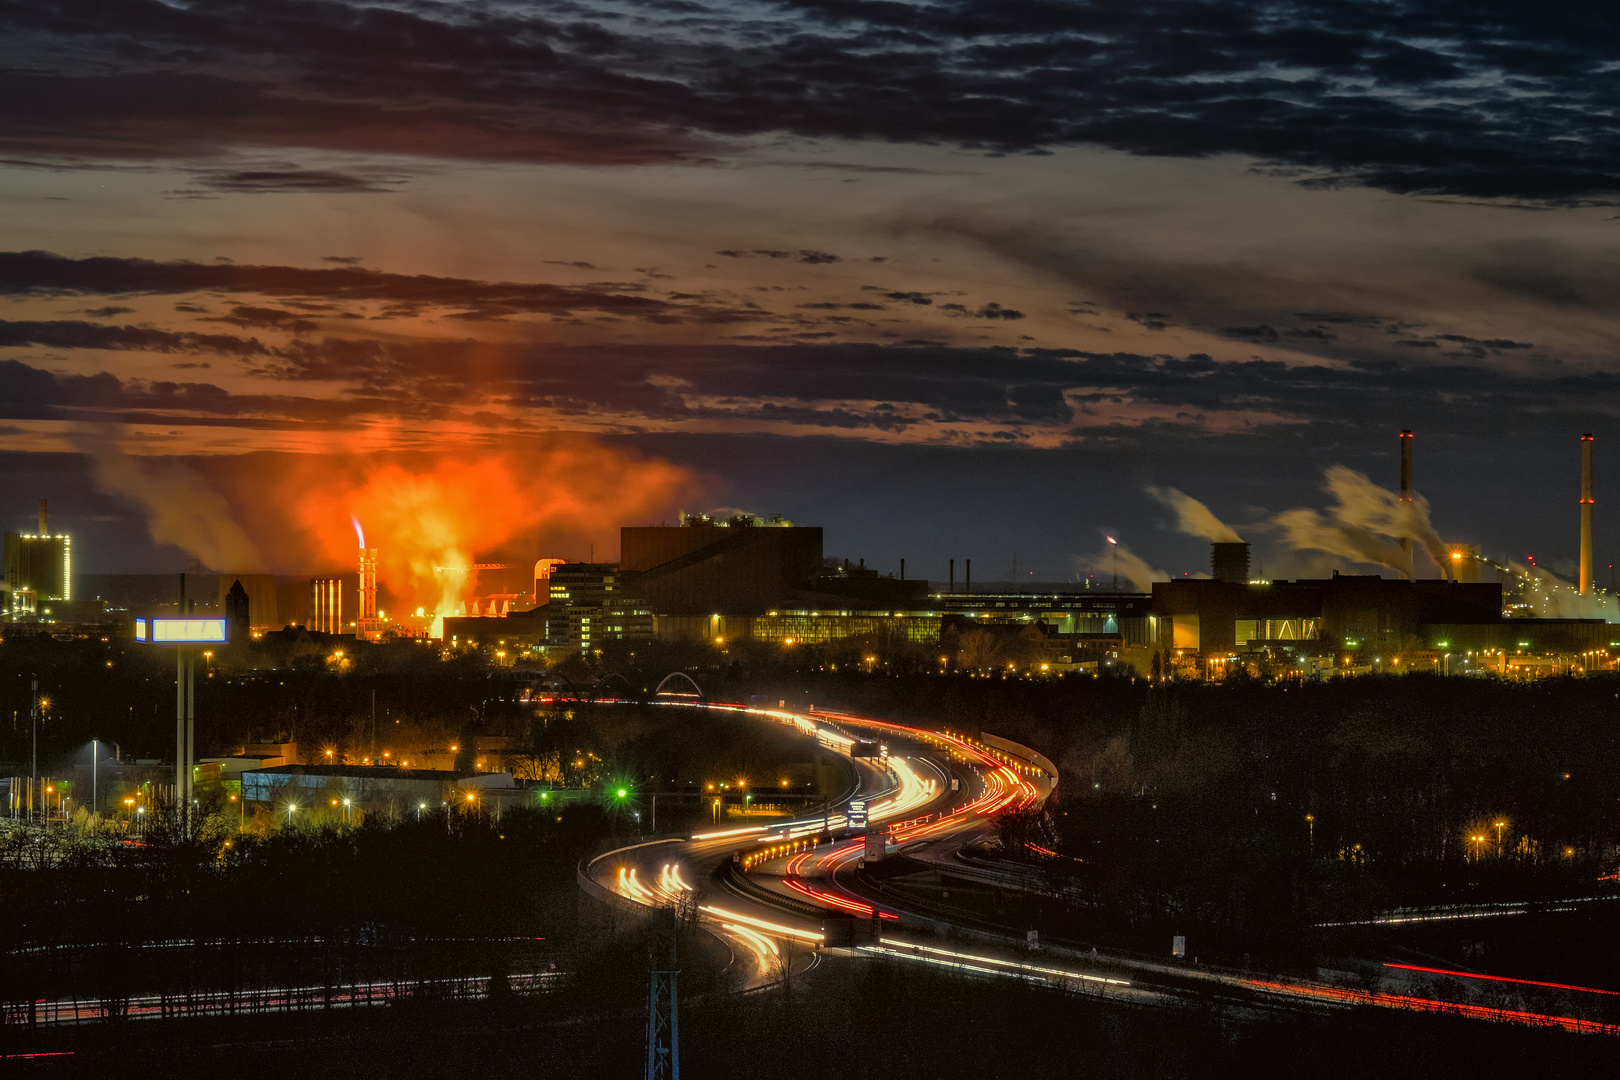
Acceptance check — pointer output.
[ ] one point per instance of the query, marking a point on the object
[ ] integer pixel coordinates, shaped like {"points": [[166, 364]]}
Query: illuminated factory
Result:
{"points": [[1458, 623], [720, 581], [39, 569]]}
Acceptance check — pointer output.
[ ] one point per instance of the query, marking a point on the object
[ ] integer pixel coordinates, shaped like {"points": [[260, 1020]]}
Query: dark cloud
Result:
{"points": [[293, 180], [858, 388], [1261, 333], [1509, 101], [989, 311], [83, 335], [41, 273], [248, 316], [1151, 320], [802, 255]]}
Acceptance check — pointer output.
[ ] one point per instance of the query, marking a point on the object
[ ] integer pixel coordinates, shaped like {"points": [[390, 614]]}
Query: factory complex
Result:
{"points": [[743, 582]]}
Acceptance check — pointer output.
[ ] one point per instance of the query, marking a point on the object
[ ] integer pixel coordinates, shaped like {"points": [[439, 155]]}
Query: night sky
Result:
{"points": [[950, 279]]}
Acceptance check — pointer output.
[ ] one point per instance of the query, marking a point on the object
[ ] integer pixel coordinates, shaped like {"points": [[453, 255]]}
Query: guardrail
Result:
{"points": [[65, 1011]]}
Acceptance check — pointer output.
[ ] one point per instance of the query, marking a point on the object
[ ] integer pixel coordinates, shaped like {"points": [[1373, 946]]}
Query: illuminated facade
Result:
{"points": [[326, 605], [368, 625], [39, 566], [584, 584]]}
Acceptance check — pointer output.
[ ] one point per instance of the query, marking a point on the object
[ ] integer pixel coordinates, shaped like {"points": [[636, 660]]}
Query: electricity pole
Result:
{"points": [[34, 764], [663, 1006]]}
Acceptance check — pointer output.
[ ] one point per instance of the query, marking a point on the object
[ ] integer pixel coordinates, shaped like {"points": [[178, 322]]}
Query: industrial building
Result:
{"points": [[39, 567], [740, 566], [287, 789], [1369, 622], [588, 606]]}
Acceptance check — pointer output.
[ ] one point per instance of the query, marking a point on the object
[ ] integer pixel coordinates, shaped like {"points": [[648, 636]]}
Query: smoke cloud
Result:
{"points": [[431, 517], [1366, 524], [431, 520], [1133, 570], [182, 507], [1551, 597], [1194, 518]]}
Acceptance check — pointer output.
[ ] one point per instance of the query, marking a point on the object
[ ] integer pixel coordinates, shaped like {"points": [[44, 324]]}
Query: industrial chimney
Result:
{"points": [[44, 517], [1406, 494], [1586, 514], [1230, 562]]}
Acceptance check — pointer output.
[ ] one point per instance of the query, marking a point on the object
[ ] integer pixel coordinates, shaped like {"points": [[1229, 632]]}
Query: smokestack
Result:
{"points": [[1229, 562], [1586, 514], [969, 585], [1406, 494], [44, 517]]}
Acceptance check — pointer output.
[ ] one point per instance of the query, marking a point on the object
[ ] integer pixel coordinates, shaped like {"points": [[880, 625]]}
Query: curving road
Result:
{"points": [[767, 888], [785, 889]]}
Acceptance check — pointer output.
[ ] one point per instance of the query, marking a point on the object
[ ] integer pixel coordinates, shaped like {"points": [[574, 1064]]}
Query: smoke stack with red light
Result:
{"points": [[1586, 514]]}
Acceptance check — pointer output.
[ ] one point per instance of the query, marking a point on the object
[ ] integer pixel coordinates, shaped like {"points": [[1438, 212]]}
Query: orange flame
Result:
{"points": [[429, 521]]}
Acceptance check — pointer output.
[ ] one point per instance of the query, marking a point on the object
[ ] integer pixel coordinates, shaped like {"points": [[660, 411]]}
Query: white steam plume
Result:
{"points": [[182, 508], [1194, 518], [1551, 597], [1133, 569], [1366, 523]]}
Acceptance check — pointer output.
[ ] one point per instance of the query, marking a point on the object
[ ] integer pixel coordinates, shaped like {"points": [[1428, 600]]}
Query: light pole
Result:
{"points": [[1500, 825], [1310, 826], [39, 706], [345, 811], [94, 754]]}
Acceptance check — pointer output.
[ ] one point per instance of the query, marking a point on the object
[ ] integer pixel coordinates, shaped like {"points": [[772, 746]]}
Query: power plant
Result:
{"points": [[718, 580], [39, 568]]}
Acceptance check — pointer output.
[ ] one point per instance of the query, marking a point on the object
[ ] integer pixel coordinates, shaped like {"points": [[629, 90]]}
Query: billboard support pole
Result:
{"points": [[179, 729]]}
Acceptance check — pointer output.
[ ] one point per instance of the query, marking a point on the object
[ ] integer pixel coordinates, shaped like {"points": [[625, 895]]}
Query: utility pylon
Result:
{"points": [[663, 1002]]}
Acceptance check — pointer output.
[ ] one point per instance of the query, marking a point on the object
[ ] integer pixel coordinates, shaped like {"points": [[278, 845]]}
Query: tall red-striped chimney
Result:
{"points": [[1406, 496], [1586, 513]]}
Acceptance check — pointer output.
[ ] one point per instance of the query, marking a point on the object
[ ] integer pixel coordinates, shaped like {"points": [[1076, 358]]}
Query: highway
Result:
{"points": [[772, 889], [784, 890]]}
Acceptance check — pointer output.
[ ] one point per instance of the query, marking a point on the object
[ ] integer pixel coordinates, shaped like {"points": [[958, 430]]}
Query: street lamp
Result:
{"points": [[1500, 825], [345, 811]]}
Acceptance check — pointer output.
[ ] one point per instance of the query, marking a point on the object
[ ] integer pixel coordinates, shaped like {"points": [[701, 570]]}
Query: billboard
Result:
{"points": [[856, 815], [180, 631]]}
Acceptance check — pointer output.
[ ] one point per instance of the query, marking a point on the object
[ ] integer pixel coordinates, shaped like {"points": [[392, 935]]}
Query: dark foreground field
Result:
{"points": [[865, 1020]]}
